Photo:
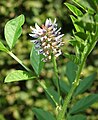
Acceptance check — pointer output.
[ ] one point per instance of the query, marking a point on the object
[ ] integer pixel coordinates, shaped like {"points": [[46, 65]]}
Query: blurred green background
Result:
{"points": [[17, 99]]}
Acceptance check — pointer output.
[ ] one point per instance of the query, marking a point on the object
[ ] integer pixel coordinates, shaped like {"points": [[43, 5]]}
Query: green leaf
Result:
{"points": [[18, 75], [74, 10], [84, 23], [80, 42], [85, 84], [86, 5], [2, 47], [84, 103], [77, 3], [96, 19], [71, 69], [87, 18], [96, 1], [2, 117], [86, 26], [36, 60], [43, 115], [13, 30], [72, 57], [77, 117], [77, 27], [81, 35], [93, 4], [64, 86], [54, 95]]}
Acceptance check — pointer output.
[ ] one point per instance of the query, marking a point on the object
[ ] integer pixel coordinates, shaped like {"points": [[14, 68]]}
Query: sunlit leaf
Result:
{"points": [[77, 27], [18, 75], [2, 117], [87, 5], [74, 9], [2, 47], [13, 30]]}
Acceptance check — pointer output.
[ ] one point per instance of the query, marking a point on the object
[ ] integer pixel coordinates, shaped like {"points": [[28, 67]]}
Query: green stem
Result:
{"points": [[42, 85], [45, 88], [57, 77], [19, 61], [75, 84]]}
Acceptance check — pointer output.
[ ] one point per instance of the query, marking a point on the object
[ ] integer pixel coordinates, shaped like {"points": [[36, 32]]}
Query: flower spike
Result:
{"points": [[47, 39]]}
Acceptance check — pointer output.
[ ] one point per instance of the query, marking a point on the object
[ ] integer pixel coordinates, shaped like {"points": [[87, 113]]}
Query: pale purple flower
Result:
{"points": [[47, 39]]}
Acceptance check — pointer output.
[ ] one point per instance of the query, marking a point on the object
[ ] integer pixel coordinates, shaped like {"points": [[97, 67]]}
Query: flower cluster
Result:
{"points": [[47, 39]]}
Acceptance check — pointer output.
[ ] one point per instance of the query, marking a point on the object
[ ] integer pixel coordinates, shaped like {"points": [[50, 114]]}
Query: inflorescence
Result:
{"points": [[47, 39]]}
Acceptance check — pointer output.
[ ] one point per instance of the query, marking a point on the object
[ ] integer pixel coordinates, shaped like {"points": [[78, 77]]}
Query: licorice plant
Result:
{"points": [[47, 41]]}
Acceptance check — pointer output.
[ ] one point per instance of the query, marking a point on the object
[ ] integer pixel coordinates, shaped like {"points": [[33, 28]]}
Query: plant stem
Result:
{"points": [[42, 85], [19, 61], [45, 88], [57, 77], [75, 84]]}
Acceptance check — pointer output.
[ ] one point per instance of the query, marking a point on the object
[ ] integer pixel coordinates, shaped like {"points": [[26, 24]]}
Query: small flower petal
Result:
{"points": [[34, 35], [37, 27], [47, 23]]}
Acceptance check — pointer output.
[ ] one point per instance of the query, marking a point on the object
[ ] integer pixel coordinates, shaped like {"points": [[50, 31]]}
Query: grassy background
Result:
{"points": [[17, 99]]}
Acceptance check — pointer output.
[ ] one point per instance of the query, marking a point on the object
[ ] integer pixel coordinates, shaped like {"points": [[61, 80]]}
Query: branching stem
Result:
{"points": [[18, 60], [68, 98]]}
